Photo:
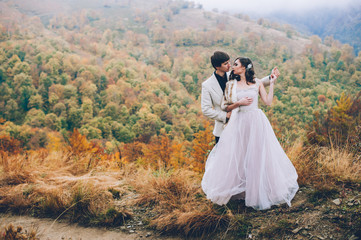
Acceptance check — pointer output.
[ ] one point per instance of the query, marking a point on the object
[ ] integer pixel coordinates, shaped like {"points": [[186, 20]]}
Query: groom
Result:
{"points": [[213, 89]]}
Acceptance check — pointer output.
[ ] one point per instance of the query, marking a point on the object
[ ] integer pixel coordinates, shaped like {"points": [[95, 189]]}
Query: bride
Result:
{"points": [[248, 160]]}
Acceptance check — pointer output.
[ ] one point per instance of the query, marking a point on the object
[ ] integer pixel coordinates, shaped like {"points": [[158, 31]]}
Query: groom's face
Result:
{"points": [[225, 67]]}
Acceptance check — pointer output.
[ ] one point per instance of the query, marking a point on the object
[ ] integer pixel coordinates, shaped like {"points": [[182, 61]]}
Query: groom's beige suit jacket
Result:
{"points": [[211, 99]]}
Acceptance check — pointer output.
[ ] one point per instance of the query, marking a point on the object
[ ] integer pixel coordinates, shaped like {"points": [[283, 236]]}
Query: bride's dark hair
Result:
{"points": [[247, 63]]}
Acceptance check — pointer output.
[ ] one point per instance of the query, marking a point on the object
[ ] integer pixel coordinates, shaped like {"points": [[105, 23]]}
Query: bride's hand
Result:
{"points": [[245, 101], [275, 72], [273, 78]]}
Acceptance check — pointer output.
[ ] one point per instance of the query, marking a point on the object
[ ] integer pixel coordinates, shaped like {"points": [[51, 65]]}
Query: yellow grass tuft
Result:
{"points": [[178, 202], [59, 184], [12, 233], [318, 165], [303, 162], [339, 163]]}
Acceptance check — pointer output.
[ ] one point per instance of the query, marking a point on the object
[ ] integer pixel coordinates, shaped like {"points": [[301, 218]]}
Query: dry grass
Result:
{"points": [[300, 158], [59, 185], [178, 202], [320, 165], [11, 233], [339, 163]]}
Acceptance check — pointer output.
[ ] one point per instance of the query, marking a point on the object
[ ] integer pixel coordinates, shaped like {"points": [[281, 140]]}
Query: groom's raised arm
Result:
{"points": [[207, 107], [266, 80]]}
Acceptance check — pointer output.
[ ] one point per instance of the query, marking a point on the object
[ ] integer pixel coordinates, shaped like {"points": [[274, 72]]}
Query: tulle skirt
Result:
{"points": [[248, 160]]}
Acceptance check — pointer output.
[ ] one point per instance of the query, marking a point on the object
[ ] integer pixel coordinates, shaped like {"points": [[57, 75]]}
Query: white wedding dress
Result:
{"points": [[248, 160]]}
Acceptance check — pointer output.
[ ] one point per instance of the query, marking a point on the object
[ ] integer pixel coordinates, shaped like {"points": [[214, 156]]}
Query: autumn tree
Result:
{"points": [[158, 152], [131, 152], [339, 125], [202, 144]]}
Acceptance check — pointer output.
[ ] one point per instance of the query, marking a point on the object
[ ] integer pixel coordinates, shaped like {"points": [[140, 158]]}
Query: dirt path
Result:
{"points": [[48, 229]]}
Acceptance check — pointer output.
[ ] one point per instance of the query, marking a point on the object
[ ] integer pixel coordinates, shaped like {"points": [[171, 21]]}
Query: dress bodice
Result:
{"points": [[252, 92]]}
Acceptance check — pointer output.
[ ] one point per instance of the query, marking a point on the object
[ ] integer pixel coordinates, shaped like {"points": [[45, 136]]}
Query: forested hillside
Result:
{"points": [[130, 70]]}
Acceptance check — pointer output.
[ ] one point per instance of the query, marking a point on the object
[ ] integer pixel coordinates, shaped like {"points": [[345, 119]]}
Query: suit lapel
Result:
{"points": [[215, 86]]}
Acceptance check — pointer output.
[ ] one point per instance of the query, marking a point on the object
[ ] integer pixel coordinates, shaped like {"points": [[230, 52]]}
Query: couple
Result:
{"points": [[247, 161]]}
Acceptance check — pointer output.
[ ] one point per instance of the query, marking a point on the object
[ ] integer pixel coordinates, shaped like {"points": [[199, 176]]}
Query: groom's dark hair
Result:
{"points": [[218, 58]]}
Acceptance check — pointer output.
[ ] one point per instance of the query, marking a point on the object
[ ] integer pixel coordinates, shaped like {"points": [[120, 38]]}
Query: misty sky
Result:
{"points": [[267, 6]]}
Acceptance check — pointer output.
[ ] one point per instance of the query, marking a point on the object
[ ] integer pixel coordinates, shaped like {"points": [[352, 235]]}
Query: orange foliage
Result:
{"points": [[340, 120], [321, 98], [339, 125], [274, 122], [158, 152], [79, 146], [178, 158], [78, 143], [202, 144], [132, 151], [55, 142], [9, 144]]}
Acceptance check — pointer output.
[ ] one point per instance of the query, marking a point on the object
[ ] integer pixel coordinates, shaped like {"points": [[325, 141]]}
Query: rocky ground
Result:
{"points": [[323, 213], [315, 214], [62, 230]]}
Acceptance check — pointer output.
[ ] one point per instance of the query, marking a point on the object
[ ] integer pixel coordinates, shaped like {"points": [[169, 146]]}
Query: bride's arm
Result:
{"points": [[267, 98], [242, 102]]}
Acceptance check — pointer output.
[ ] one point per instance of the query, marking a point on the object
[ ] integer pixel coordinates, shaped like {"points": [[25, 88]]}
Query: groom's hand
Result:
{"points": [[229, 114]]}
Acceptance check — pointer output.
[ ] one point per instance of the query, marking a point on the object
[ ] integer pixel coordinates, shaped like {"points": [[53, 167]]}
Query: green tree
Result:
{"points": [[122, 133], [35, 118], [11, 110], [52, 121], [35, 101], [111, 110], [74, 118], [21, 67]]}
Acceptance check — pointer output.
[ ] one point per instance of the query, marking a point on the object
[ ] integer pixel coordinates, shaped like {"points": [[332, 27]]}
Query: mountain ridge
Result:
{"points": [[343, 24]]}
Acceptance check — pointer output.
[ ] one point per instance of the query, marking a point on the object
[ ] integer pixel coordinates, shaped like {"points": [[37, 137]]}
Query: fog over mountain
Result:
{"points": [[264, 7], [344, 24], [340, 19]]}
